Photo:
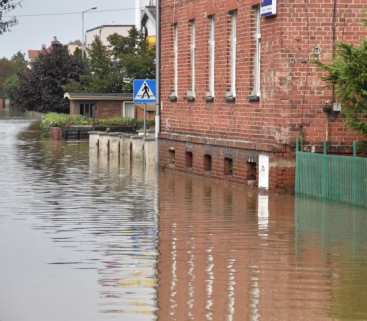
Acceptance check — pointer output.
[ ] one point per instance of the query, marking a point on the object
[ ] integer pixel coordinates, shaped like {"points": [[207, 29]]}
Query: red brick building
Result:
{"points": [[238, 88]]}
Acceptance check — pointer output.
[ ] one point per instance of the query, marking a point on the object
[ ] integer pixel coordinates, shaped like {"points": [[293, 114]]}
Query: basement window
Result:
{"points": [[228, 166], [251, 171], [172, 157], [207, 163], [189, 159]]}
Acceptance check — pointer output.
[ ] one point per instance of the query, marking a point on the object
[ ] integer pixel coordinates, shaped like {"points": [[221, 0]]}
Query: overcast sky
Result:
{"points": [[33, 32]]}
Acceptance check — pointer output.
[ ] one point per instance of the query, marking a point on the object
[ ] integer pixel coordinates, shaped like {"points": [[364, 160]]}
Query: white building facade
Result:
{"points": [[104, 31]]}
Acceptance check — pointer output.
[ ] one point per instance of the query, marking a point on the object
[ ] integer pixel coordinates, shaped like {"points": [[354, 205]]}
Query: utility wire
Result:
{"points": [[70, 13]]}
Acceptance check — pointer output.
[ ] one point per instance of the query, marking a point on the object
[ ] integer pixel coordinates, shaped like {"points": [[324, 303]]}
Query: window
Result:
{"points": [[172, 156], [88, 110], [189, 160], [228, 166], [256, 59], [175, 60], [192, 90], [211, 88], [207, 163], [128, 110], [233, 54]]}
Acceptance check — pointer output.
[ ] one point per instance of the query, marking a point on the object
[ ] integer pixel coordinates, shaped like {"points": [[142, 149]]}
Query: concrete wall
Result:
{"points": [[124, 148]]}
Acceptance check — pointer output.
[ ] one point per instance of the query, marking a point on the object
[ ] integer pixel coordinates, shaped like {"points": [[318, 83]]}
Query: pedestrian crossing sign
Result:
{"points": [[145, 91]]}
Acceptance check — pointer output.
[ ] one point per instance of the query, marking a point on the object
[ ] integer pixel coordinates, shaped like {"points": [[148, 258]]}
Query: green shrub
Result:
{"points": [[64, 120]]}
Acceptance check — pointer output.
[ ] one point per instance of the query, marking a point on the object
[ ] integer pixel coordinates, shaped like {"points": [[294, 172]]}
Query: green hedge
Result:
{"points": [[64, 120]]}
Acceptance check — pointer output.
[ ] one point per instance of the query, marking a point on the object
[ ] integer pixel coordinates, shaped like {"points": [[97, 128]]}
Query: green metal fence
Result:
{"points": [[330, 177]]}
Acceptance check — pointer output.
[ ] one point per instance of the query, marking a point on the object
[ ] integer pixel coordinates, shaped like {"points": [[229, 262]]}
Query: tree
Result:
{"points": [[348, 74], [133, 54], [5, 6], [9, 68], [112, 69], [41, 88]]}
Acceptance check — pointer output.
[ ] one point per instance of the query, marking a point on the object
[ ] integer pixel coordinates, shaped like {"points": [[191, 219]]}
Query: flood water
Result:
{"points": [[84, 239]]}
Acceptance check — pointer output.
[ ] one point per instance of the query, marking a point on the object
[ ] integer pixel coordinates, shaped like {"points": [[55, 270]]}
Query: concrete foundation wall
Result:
{"points": [[124, 148]]}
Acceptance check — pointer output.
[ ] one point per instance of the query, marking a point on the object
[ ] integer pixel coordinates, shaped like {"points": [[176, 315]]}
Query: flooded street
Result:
{"points": [[82, 239]]}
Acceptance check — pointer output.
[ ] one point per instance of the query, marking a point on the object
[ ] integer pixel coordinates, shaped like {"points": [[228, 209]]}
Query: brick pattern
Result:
{"points": [[107, 109], [292, 92]]}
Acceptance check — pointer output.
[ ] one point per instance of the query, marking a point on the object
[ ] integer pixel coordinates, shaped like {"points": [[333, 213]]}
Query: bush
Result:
{"points": [[64, 120]]}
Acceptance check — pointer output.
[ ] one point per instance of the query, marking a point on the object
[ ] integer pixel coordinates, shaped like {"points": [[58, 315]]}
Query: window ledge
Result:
{"points": [[230, 98], [254, 98], [172, 97], [209, 99]]}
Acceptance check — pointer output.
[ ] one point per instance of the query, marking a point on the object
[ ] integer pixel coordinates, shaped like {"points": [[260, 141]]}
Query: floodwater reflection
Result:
{"points": [[227, 253], [84, 238]]}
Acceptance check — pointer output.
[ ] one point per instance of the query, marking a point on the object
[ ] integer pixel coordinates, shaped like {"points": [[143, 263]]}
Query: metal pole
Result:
{"points": [[83, 36], [145, 121]]}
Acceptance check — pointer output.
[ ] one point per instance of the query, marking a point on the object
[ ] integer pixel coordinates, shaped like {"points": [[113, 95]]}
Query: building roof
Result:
{"points": [[109, 26], [98, 96], [33, 54]]}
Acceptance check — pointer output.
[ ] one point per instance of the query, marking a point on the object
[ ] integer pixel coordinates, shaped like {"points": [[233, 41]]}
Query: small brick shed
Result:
{"points": [[97, 105]]}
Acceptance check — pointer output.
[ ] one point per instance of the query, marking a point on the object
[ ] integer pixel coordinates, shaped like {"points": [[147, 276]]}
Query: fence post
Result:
{"points": [[354, 149]]}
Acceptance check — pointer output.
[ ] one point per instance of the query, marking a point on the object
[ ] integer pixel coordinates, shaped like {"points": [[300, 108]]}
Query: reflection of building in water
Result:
{"points": [[224, 257]]}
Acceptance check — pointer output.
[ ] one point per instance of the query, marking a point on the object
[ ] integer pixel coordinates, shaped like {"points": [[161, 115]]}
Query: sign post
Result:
{"points": [[145, 93]]}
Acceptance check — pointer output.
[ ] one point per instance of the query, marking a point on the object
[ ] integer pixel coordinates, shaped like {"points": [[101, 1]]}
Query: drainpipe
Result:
{"points": [[333, 27], [158, 75]]}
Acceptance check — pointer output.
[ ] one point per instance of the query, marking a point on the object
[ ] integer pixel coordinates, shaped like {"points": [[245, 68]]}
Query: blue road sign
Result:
{"points": [[145, 92]]}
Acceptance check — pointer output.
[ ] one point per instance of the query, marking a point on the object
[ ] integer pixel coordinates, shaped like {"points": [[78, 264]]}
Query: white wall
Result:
{"points": [[104, 32]]}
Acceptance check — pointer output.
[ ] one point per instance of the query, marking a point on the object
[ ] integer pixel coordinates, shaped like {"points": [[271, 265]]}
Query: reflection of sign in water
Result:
{"points": [[268, 8], [144, 91]]}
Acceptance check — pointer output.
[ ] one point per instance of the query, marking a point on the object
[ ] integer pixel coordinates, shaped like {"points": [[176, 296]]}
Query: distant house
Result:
{"points": [[99, 106], [104, 31], [73, 46], [94, 105]]}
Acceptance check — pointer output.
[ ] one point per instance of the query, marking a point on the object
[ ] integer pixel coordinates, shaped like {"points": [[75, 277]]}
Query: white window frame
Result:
{"points": [[256, 90], [124, 107], [193, 57], [175, 60], [233, 53], [211, 43]]}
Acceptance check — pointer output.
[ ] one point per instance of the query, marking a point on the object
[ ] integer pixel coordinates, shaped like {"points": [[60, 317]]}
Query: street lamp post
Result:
{"points": [[83, 29]]}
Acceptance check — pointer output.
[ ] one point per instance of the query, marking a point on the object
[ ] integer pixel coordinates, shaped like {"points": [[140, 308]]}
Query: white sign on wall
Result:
{"points": [[264, 171], [268, 8]]}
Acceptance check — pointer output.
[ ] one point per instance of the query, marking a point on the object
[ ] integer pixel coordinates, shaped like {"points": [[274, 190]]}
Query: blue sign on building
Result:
{"points": [[145, 91], [268, 8]]}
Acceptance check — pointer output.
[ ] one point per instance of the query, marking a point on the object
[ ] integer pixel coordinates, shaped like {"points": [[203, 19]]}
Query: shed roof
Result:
{"points": [[98, 96]]}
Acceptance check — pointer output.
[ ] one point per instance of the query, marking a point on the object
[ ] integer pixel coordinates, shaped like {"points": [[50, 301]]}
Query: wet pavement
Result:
{"points": [[84, 239]]}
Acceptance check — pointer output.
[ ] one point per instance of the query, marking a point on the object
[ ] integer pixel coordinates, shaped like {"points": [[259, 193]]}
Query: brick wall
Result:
{"points": [[140, 113], [292, 92], [292, 95], [107, 109]]}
